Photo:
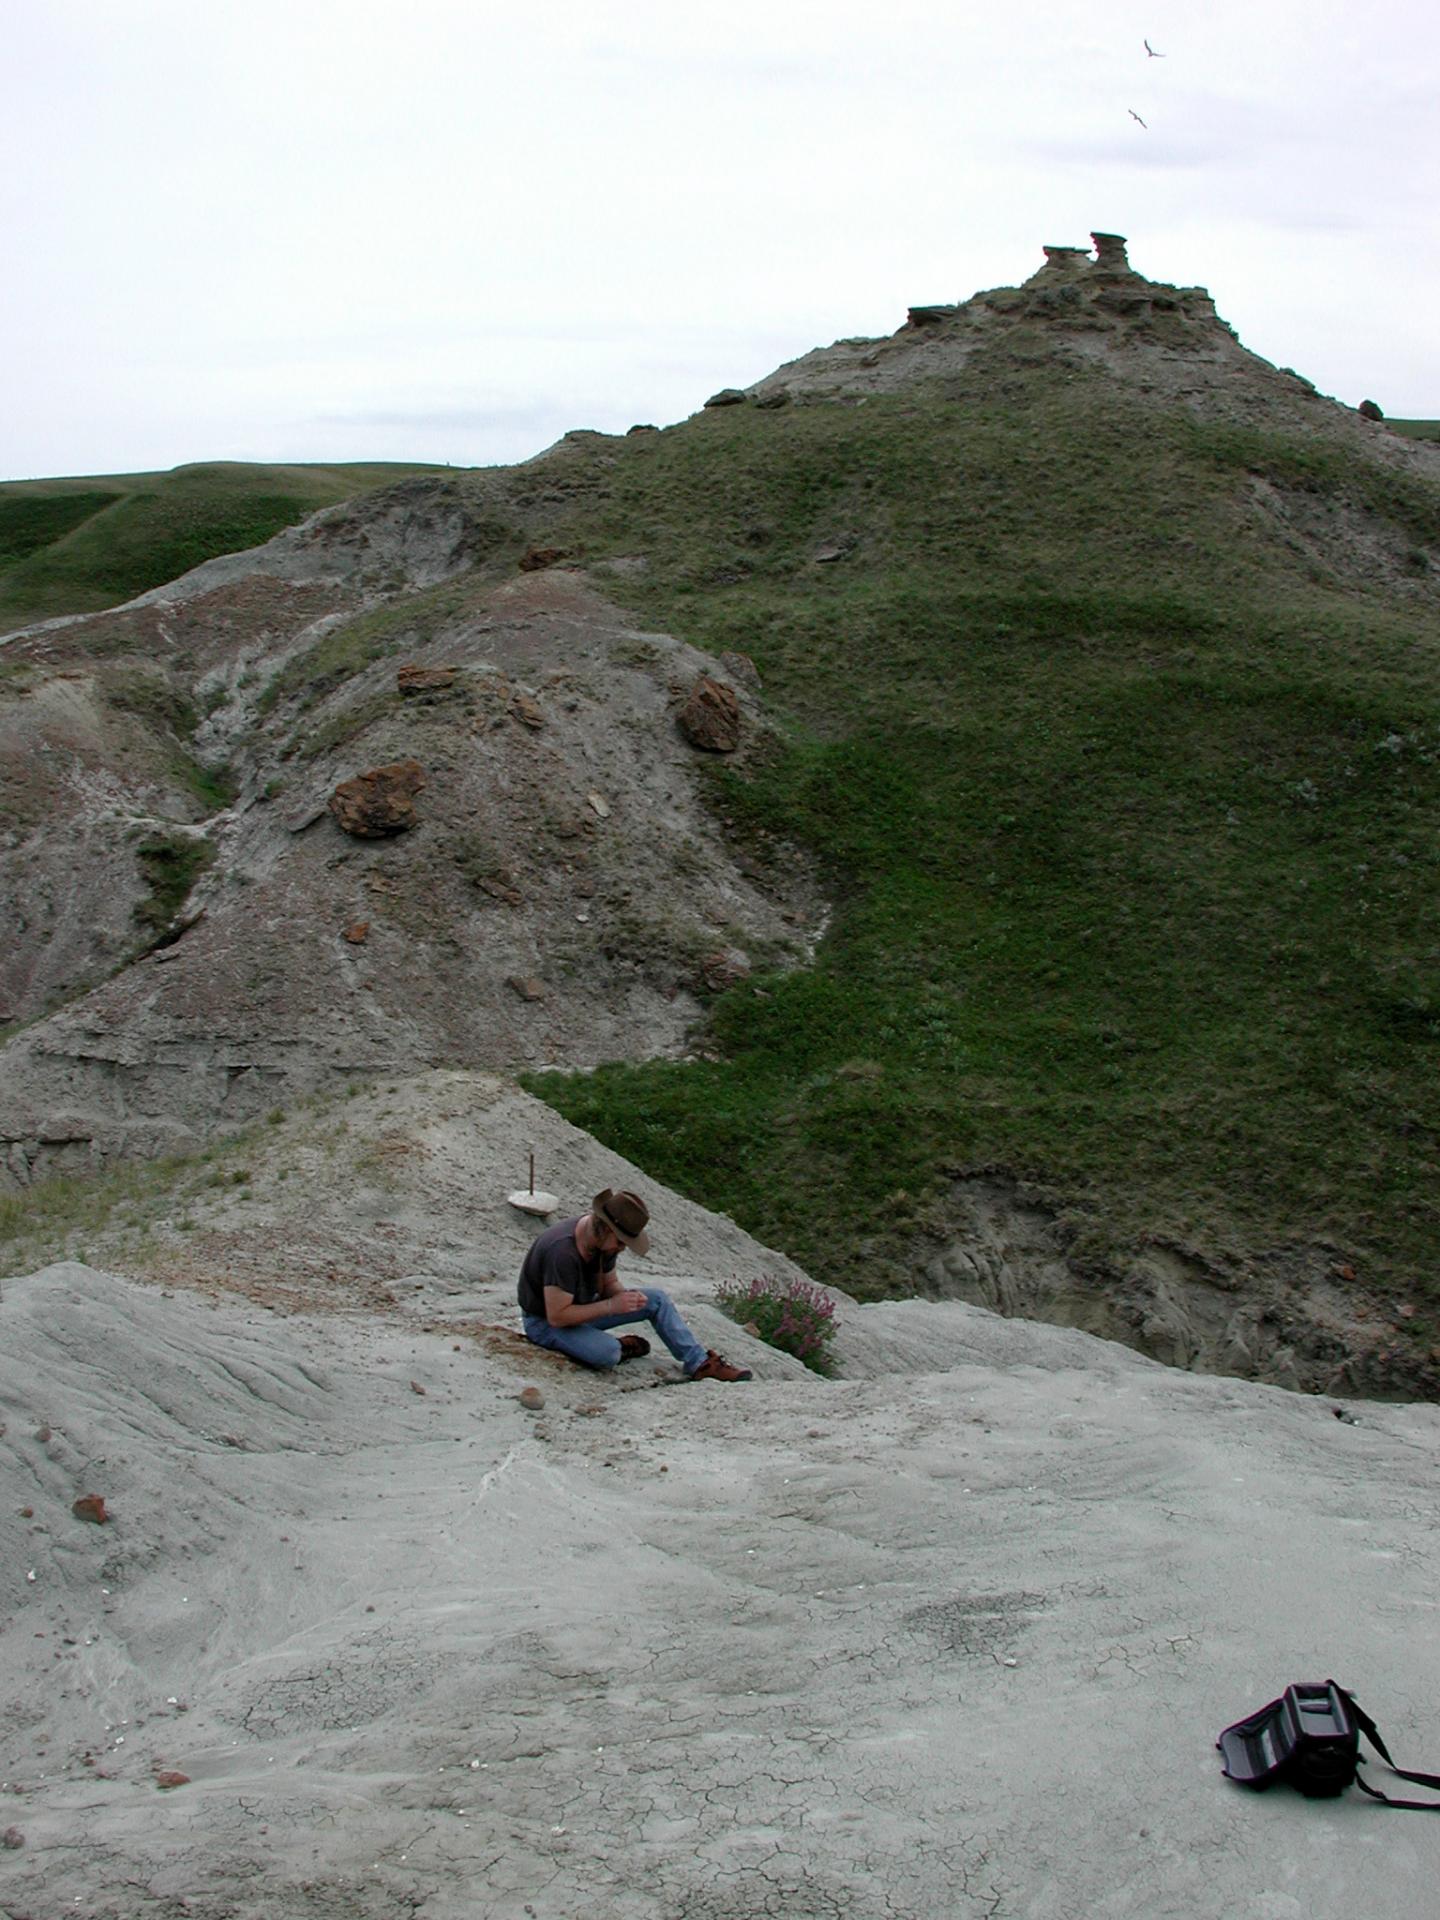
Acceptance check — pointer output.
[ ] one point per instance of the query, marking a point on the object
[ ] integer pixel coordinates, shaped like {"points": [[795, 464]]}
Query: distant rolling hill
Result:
{"points": [[78, 545]]}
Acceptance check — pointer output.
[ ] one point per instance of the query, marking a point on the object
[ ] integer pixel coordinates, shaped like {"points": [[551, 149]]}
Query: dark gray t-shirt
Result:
{"points": [[554, 1261]]}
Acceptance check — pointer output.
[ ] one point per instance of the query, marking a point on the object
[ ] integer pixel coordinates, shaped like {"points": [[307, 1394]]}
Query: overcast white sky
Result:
{"points": [[451, 229]]}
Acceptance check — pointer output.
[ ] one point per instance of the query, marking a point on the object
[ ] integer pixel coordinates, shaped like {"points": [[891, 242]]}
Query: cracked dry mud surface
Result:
{"points": [[951, 1634]]}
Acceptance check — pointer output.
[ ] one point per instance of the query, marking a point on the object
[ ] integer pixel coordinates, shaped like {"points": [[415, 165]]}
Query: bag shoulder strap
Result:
{"points": [[1372, 1733]]}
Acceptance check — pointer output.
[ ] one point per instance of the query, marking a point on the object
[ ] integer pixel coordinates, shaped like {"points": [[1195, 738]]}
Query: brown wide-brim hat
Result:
{"points": [[626, 1215]]}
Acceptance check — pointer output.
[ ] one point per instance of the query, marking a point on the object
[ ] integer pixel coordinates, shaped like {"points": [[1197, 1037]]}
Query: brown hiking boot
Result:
{"points": [[633, 1346], [716, 1367]]}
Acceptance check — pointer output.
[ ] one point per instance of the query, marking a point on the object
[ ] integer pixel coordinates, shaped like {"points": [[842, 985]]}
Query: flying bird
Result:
{"points": [[1151, 51], [1135, 116]]}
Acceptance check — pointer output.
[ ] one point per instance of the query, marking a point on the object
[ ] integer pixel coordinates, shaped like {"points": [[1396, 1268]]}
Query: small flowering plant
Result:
{"points": [[793, 1315]]}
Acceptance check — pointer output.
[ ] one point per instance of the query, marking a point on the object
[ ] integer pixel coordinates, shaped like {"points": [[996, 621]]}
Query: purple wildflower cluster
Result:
{"points": [[794, 1315]]}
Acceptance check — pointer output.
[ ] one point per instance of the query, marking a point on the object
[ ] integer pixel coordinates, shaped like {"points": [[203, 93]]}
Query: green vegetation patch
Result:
{"points": [[171, 863], [104, 542], [1130, 826], [29, 522]]}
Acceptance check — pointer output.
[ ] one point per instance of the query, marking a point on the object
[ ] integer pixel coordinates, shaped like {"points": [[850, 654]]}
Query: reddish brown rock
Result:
{"points": [[527, 711], [412, 679], [531, 1398], [12, 1838], [721, 970], [536, 559], [90, 1506], [358, 932], [528, 988], [170, 1778], [379, 803], [710, 718]]}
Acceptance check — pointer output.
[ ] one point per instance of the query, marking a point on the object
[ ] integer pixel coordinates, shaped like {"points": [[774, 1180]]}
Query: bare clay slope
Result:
{"points": [[362, 1636], [563, 893]]}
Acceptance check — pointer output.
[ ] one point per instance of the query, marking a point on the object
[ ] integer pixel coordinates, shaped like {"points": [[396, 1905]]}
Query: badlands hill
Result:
{"points": [[361, 1637], [976, 789]]}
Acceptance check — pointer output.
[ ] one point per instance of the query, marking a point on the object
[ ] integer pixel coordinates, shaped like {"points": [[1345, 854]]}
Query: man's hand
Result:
{"points": [[628, 1300]]}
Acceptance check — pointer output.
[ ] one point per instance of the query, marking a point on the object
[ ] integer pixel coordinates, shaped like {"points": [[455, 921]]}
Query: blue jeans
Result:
{"points": [[593, 1344]]}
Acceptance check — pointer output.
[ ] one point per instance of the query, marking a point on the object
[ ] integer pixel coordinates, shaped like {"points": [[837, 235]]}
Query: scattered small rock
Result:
{"points": [[170, 1778], [727, 397], [742, 668], [527, 710], [27, 1513], [43, 1435], [723, 969], [358, 932], [415, 1387], [599, 804], [527, 987], [90, 1506], [536, 559], [12, 1838], [411, 679], [532, 1399]]}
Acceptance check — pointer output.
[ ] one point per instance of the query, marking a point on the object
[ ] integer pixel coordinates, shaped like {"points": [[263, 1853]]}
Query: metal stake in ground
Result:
{"points": [[528, 1200]]}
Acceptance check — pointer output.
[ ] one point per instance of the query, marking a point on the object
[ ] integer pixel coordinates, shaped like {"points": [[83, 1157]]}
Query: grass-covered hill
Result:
{"points": [[1117, 723], [76, 545], [1107, 663]]}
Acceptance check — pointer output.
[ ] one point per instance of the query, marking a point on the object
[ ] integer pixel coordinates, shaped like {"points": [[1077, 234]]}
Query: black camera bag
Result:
{"points": [[1310, 1738]]}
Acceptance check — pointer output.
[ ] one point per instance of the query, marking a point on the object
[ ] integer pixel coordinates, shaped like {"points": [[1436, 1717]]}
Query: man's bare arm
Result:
{"points": [[561, 1309]]}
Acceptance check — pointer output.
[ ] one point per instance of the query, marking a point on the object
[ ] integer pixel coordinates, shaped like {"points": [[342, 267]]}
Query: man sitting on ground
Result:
{"points": [[570, 1297]]}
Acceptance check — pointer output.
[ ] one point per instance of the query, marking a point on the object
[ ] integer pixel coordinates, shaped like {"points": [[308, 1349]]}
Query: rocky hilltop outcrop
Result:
{"points": [[1163, 340]]}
